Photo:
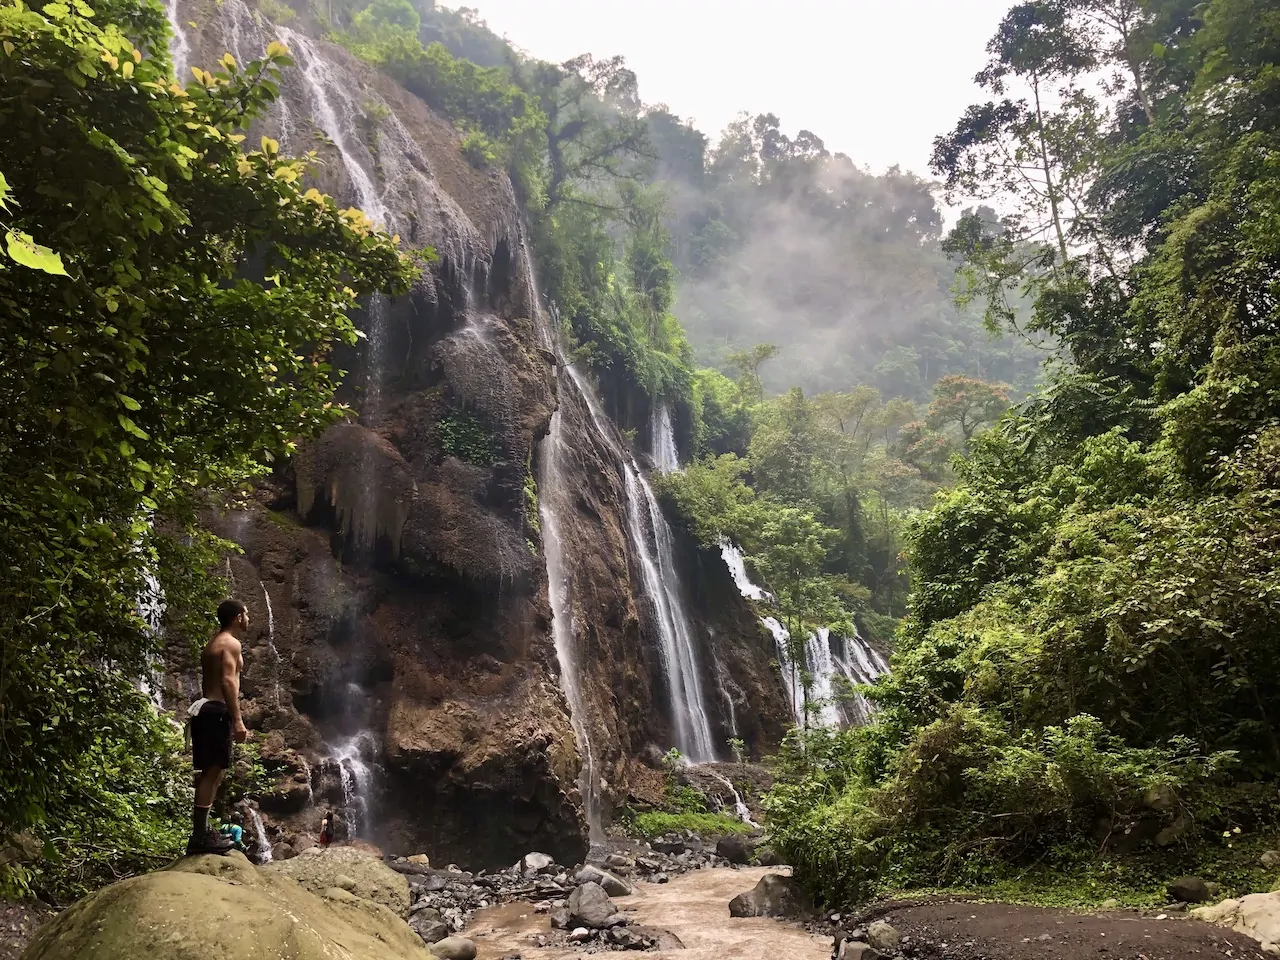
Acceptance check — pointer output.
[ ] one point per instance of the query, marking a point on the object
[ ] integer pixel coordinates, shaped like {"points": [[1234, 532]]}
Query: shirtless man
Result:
{"points": [[216, 722]]}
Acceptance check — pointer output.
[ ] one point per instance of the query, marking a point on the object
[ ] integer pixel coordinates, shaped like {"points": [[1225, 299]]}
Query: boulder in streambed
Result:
{"points": [[454, 948], [224, 907], [613, 886], [589, 906], [774, 896], [735, 848]]}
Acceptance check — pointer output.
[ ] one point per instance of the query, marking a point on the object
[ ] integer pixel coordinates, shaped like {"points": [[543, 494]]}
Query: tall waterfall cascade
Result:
{"points": [[666, 457], [551, 485], [653, 547]]}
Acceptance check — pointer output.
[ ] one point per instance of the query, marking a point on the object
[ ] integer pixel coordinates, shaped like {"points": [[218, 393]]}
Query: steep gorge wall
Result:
{"points": [[401, 646]]}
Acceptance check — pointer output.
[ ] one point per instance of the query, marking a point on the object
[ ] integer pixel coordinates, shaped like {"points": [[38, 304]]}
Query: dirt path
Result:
{"points": [[1002, 931], [695, 907]]}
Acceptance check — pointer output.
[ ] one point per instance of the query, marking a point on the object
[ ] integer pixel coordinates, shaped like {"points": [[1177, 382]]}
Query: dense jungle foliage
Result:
{"points": [[1086, 683], [143, 362]]}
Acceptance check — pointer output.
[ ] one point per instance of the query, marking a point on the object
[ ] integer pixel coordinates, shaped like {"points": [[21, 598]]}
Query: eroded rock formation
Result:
{"points": [[400, 668]]}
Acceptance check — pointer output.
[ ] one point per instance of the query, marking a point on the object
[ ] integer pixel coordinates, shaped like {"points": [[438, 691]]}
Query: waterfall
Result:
{"points": [[653, 546], [325, 88], [271, 639], [857, 663], [679, 655], [356, 778], [740, 808], [551, 464], [737, 564], [179, 45], [666, 458], [264, 845]]}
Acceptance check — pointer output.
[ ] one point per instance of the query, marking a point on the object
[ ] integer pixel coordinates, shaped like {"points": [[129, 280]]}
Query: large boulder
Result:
{"points": [[1256, 915], [350, 869], [1189, 890], [613, 886], [225, 908], [589, 906], [774, 896], [736, 849]]}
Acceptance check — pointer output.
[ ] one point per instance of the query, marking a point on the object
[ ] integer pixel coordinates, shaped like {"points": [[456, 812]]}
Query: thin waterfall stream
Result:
{"points": [[653, 547], [551, 484]]}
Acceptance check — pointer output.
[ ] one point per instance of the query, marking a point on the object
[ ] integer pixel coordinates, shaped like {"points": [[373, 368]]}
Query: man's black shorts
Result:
{"points": [[211, 736]]}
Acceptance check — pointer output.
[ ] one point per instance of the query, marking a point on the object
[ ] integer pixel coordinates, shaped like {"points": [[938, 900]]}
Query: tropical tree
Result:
{"points": [[170, 304]]}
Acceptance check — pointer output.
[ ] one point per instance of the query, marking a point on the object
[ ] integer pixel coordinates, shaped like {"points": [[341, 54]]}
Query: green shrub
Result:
{"points": [[656, 823], [464, 435]]}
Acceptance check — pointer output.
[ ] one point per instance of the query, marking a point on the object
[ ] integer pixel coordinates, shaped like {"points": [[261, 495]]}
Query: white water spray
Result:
{"points": [[737, 564], [356, 778], [271, 640], [179, 45], [653, 547], [334, 105], [740, 808], [264, 845], [666, 457], [550, 484]]}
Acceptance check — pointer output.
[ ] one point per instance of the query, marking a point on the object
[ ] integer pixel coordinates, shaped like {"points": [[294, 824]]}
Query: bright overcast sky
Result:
{"points": [[876, 79]]}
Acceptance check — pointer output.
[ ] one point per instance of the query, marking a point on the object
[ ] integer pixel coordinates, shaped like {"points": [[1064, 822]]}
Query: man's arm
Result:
{"points": [[232, 661]]}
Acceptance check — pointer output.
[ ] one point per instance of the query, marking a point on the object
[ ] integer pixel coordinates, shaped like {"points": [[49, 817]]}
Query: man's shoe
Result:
{"points": [[211, 842]]}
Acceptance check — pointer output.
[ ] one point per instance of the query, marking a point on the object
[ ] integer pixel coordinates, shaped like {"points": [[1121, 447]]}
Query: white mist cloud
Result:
{"points": [[876, 79]]}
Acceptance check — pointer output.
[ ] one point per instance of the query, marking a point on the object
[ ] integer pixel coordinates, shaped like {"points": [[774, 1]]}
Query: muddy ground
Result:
{"points": [[1001, 931]]}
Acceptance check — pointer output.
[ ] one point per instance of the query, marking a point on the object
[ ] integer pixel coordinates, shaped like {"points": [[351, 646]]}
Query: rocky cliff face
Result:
{"points": [[401, 667]]}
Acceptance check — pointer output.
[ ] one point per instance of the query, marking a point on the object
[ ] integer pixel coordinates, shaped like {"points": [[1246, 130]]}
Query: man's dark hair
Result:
{"points": [[228, 610]]}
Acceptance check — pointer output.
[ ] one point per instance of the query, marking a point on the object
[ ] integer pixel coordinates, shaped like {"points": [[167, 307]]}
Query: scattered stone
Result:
{"points": [[590, 906], [647, 865], [613, 886], [534, 863], [1189, 890], [735, 848], [774, 896], [345, 882], [421, 859], [454, 948], [1270, 859], [615, 861], [581, 935], [883, 936], [1110, 904], [560, 919], [661, 878], [283, 851], [1161, 798], [767, 857], [856, 950], [431, 930]]}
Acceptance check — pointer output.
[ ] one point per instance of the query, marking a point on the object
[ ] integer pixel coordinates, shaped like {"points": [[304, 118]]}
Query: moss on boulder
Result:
{"points": [[222, 908]]}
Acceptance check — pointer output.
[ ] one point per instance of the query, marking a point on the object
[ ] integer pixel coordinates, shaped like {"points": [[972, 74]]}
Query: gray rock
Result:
{"points": [[1110, 904], [613, 886], [615, 861], [883, 936], [774, 896], [647, 865], [560, 919], [536, 863], [454, 948], [856, 950], [768, 857], [581, 935], [344, 882], [1270, 859], [590, 906], [1189, 890], [283, 851], [430, 929], [736, 849], [661, 878]]}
